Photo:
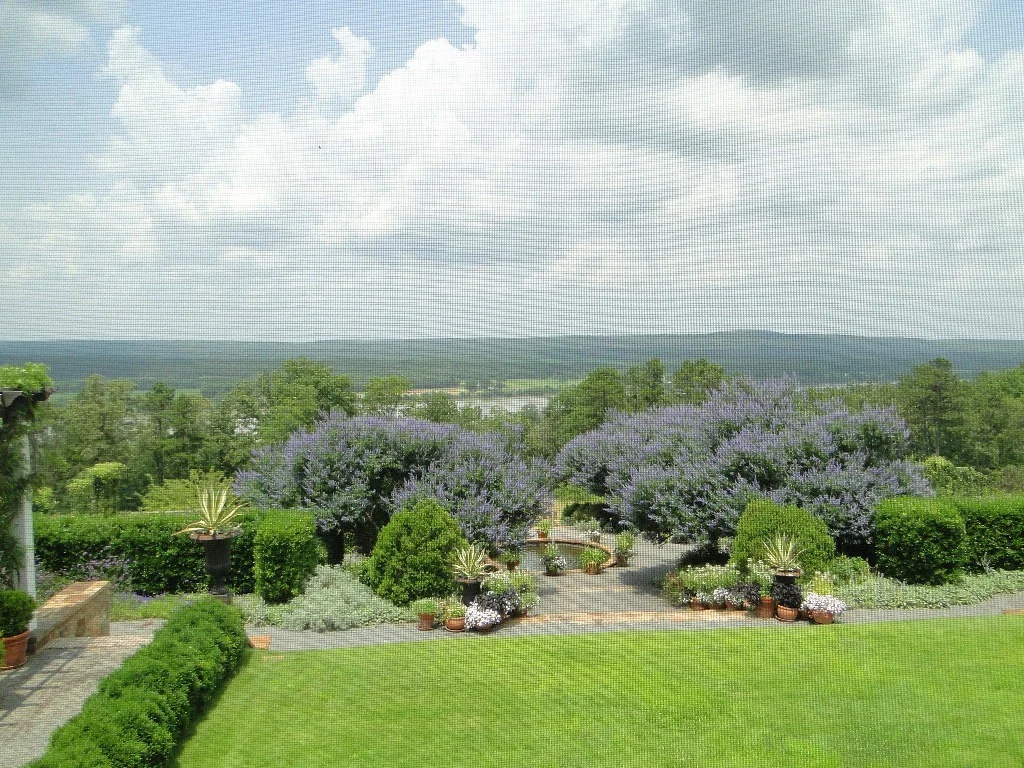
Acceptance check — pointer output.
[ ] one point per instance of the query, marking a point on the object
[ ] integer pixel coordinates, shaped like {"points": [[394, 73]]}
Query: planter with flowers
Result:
{"points": [[544, 528], [823, 609], [16, 608], [554, 562]]}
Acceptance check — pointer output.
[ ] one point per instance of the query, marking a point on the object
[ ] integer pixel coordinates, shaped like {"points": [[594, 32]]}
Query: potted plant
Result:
{"points": [[453, 614], [823, 609], [624, 548], [591, 560], [788, 600], [528, 600], [701, 601], [426, 609], [16, 608], [482, 617], [782, 554], [591, 529], [544, 528], [554, 563], [469, 566], [511, 558], [719, 596], [215, 528]]}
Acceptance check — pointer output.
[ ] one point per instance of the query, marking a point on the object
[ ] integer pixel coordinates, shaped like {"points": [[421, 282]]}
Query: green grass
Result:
{"points": [[927, 693]]}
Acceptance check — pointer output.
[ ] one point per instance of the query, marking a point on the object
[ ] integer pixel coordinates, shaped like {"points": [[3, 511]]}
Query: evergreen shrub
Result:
{"points": [[413, 554], [920, 541], [995, 531], [763, 520], [286, 553]]}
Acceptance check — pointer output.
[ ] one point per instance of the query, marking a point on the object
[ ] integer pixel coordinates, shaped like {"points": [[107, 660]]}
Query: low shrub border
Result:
{"points": [[921, 541], [140, 712]]}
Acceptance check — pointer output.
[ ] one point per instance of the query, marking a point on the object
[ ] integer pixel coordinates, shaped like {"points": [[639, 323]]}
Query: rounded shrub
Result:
{"points": [[16, 609], [763, 520], [921, 541], [413, 554]]}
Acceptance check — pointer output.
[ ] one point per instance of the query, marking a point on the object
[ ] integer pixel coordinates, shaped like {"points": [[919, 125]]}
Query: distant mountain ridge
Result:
{"points": [[214, 366]]}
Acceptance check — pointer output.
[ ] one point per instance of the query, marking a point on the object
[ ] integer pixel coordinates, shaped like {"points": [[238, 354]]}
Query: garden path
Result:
{"points": [[45, 693]]}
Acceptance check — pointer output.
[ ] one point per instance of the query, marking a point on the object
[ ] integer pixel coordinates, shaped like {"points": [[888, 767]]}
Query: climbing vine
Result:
{"points": [[32, 379]]}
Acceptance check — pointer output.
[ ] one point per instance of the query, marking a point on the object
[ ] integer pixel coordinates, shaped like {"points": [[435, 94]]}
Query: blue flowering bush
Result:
{"points": [[359, 471], [689, 471]]}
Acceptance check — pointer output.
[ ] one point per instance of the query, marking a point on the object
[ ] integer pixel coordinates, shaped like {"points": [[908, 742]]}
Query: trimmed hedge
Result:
{"points": [[920, 541], [763, 520], [286, 553], [140, 712], [995, 531], [156, 559], [413, 554]]}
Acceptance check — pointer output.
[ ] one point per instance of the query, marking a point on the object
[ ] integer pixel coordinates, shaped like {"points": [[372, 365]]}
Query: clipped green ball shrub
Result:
{"points": [[413, 554], [920, 541], [994, 531], [763, 520], [286, 552]]}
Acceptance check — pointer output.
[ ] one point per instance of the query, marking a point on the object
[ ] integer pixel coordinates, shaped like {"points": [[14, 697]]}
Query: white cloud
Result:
{"points": [[597, 166], [344, 75]]}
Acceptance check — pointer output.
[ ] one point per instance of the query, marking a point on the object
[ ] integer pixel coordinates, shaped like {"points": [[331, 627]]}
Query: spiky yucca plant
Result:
{"points": [[218, 511], [782, 553], [470, 563]]}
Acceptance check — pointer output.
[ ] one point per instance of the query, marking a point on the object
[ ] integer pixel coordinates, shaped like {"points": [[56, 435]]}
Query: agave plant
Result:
{"points": [[218, 511], [470, 563], [783, 554]]}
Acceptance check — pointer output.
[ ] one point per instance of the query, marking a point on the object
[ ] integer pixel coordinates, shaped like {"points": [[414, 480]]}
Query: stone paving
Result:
{"points": [[45, 693]]}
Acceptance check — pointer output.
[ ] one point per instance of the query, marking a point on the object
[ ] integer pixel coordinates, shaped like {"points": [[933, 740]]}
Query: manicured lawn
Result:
{"points": [[924, 693]]}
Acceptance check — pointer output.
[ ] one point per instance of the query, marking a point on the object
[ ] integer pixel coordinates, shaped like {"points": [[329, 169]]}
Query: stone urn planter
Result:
{"points": [[217, 548], [470, 590]]}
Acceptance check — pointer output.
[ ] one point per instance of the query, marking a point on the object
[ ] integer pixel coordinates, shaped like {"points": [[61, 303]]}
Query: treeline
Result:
{"points": [[114, 446]]}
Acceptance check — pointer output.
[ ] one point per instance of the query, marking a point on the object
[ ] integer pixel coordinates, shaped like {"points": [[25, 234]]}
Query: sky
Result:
{"points": [[287, 170]]}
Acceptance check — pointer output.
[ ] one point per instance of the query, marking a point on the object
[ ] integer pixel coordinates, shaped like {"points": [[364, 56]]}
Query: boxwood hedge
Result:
{"points": [[139, 714], [920, 541]]}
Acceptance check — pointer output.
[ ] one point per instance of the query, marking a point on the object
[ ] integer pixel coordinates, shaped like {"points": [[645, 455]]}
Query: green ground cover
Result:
{"points": [[927, 693]]}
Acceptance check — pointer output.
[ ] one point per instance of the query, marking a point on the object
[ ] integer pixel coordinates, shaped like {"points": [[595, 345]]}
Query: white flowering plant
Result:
{"points": [[478, 617], [823, 603], [720, 595]]}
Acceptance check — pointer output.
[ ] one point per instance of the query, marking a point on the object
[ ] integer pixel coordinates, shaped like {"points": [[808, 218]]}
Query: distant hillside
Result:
{"points": [[214, 366]]}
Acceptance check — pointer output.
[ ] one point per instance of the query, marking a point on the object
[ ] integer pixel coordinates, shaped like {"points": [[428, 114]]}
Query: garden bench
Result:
{"points": [[81, 609]]}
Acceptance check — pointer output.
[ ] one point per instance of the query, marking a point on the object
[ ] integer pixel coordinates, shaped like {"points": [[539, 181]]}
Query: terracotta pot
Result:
{"points": [[822, 617], [15, 650], [765, 608], [542, 534], [457, 624], [697, 605], [592, 569], [426, 621], [733, 606], [621, 560], [786, 614], [549, 572]]}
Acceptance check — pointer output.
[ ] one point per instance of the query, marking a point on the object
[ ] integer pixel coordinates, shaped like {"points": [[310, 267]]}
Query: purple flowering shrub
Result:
{"points": [[691, 470], [361, 470]]}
